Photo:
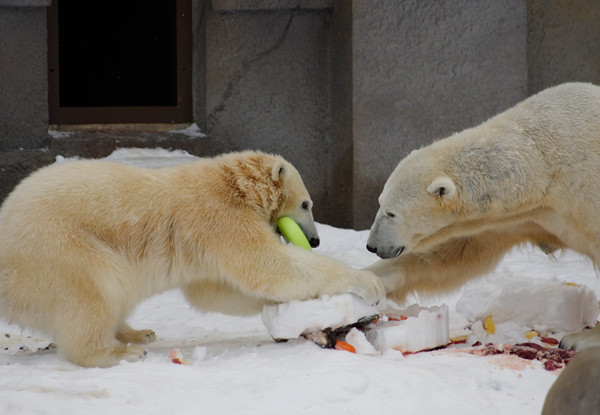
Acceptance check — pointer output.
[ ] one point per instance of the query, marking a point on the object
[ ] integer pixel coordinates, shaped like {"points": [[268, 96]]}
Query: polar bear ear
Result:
{"points": [[442, 186], [279, 171]]}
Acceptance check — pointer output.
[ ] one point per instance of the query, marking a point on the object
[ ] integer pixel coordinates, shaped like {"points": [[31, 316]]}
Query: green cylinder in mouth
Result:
{"points": [[292, 232]]}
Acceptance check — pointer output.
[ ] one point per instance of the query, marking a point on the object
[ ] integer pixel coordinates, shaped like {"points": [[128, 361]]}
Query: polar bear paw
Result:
{"points": [[106, 356], [129, 335], [585, 339], [362, 283]]}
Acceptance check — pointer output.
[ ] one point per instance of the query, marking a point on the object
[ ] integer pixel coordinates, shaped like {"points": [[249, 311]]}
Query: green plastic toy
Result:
{"points": [[292, 232]]}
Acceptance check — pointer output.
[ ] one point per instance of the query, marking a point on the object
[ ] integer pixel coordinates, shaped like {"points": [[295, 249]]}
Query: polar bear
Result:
{"points": [[450, 211], [82, 243], [575, 392]]}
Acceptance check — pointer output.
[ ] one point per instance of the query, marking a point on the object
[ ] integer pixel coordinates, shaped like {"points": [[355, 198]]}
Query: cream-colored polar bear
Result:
{"points": [[450, 211], [82, 243]]}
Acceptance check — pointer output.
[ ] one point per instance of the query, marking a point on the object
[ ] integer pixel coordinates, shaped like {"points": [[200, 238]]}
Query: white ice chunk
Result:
{"points": [[541, 304], [427, 328], [358, 339], [290, 320]]}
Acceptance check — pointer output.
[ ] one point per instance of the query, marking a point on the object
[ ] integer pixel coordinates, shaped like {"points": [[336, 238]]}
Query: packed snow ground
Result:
{"points": [[237, 368]]}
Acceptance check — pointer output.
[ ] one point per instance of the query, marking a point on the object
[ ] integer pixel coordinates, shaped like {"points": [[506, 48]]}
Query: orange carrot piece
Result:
{"points": [[340, 345]]}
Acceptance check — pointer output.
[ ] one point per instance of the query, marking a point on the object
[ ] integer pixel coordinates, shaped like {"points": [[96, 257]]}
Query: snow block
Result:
{"points": [[540, 304], [359, 341], [424, 328], [292, 319]]}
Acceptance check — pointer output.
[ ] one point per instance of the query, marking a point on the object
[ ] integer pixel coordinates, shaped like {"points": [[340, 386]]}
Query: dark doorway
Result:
{"points": [[119, 61]]}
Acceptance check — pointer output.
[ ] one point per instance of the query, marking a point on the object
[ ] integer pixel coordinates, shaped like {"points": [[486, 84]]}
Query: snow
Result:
{"points": [[412, 329], [428, 329], [236, 367], [542, 305], [290, 320], [192, 131]]}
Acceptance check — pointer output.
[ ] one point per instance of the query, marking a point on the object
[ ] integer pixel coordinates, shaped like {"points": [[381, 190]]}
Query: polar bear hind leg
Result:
{"points": [[127, 334], [90, 338]]}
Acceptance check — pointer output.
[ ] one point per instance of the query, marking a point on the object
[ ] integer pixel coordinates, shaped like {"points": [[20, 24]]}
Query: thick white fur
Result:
{"points": [[82, 243], [530, 174]]}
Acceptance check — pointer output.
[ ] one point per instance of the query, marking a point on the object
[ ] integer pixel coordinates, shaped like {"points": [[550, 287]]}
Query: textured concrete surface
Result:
{"points": [[423, 70], [230, 5], [25, 3], [338, 201], [342, 88], [23, 78], [563, 42], [267, 88]]}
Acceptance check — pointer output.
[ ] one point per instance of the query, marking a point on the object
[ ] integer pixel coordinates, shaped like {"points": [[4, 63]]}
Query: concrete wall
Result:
{"points": [[423, 70], [268, 87], [23, 89], [342, 88], [23, 74], [563, 42]]}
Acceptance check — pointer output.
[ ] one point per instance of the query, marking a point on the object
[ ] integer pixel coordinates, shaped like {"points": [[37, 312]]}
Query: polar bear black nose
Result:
{"points": [[314, 242], [371, 249]]}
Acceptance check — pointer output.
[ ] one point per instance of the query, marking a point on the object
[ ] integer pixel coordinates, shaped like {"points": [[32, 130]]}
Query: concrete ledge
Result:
{"points": [[241, 5], [25, 3], [16, 165], [101, 144]]}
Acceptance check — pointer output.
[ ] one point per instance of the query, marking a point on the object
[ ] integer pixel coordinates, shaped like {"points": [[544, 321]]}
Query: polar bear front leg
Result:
{"points": [[285, 273], [362, 283], [445, 267], [218, 297], [322, 275]]}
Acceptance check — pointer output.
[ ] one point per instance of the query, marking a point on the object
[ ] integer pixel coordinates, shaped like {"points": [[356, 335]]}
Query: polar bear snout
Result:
{"points": [[383, 239], [385, 253], [310, 231], [313, 238]]}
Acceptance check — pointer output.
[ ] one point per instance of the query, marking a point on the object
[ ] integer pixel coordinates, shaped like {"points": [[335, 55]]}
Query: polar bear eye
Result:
{"points": [[305, 205], [390, 214]]}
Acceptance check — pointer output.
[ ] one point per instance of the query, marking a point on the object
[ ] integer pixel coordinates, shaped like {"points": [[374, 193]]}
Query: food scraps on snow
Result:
{"points": [[552, 358], [177, 358], [346, 322], [329, 319], [488, 325]]}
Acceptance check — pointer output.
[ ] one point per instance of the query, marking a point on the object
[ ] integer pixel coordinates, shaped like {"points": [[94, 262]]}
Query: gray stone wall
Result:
{"points": [[423, 70], [563, 42], [23, 76], [23, 90], [342, 88], [268, 88]]}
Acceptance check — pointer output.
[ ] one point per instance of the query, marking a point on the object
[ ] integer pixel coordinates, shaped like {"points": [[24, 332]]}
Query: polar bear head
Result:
{"points": [[271, 187], [447, 189], [414, 203], [295, 200]]}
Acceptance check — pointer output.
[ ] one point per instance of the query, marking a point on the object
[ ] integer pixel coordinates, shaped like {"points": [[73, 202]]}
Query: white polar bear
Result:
{"points": [[82, 243], [450, 211]]}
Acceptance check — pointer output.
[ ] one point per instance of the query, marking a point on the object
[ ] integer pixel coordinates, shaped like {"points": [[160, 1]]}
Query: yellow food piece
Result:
{"points": [[488, 325], [459, 339], [572, 284], [531, 334]]}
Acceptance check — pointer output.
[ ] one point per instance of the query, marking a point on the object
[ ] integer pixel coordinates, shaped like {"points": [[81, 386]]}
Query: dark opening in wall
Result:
{"points": [[119, 61]]}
